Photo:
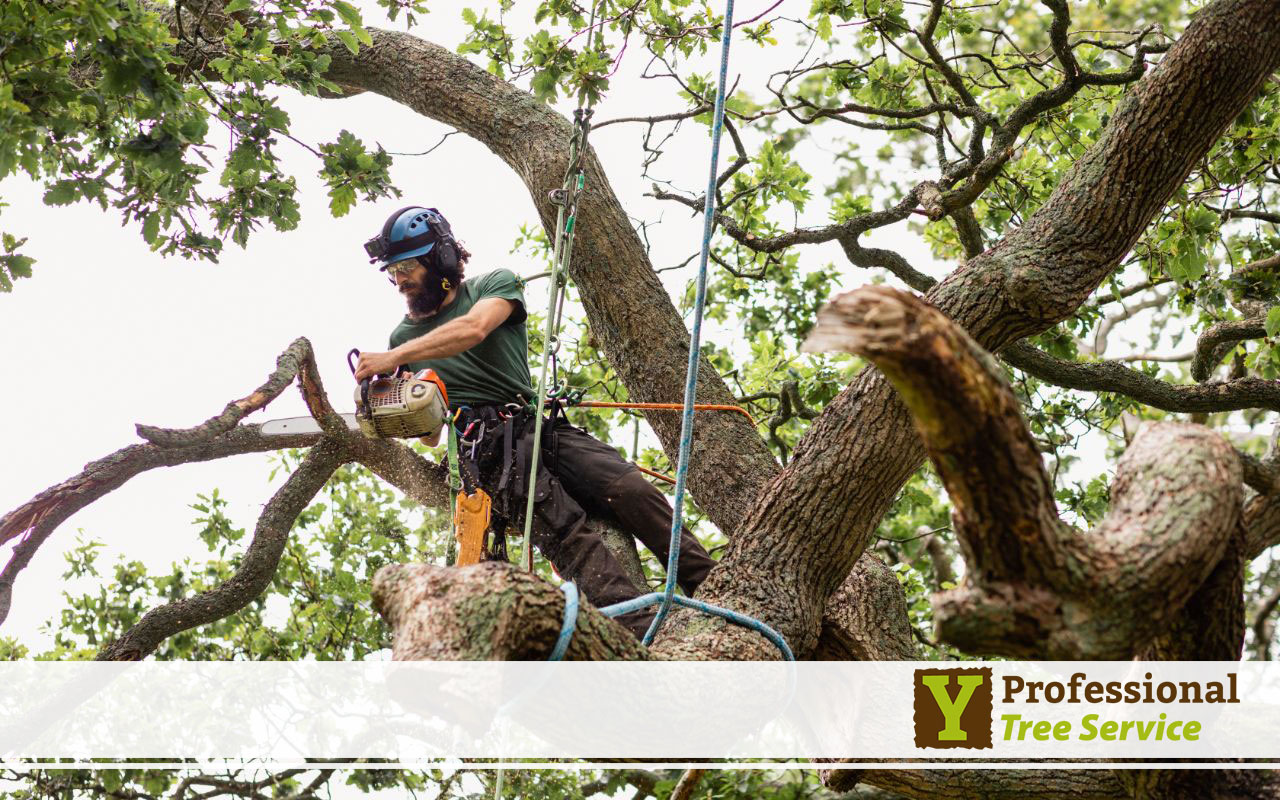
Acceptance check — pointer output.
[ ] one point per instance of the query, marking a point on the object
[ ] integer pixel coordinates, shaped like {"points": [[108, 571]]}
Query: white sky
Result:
{"points": [[107, 334]]}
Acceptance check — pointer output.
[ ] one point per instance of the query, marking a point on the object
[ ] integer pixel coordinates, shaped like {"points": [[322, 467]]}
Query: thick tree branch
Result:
{"points": [[425, 482], [1262, 524], [1260, 474], [491, 611], [1034, 586], [1210, 627], [866, 618], [969, 420], [1112, 376], [1214, 344]]}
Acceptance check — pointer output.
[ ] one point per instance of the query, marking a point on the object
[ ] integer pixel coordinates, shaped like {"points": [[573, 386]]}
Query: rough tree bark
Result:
{"points": [[489, 612]]}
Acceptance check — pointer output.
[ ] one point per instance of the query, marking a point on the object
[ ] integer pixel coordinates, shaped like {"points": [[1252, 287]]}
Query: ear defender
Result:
{"points": [[446, 251]]}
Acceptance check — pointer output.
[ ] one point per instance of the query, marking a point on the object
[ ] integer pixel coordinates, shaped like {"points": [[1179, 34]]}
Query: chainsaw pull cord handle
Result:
{"points": [[366, 410]]}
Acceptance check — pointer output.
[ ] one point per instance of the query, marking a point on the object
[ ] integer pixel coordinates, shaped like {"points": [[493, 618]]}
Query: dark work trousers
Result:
{"points": [[586, 477]]}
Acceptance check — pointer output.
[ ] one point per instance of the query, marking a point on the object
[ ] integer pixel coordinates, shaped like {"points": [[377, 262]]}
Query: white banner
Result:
{"points": [[402, 711]]}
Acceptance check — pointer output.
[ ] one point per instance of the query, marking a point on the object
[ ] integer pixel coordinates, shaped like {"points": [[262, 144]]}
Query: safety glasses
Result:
{"points": [[406, 266]]}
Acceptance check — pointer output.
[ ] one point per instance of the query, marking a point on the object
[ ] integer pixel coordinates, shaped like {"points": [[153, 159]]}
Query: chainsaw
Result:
{"points": [[387, 406]]}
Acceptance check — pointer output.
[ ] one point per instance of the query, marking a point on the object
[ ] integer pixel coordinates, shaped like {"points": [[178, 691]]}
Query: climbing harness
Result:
{"points": [[485, 439]]}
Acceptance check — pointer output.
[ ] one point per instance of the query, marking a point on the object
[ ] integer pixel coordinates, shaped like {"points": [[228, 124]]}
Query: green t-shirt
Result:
{"points": [[494, 371]]}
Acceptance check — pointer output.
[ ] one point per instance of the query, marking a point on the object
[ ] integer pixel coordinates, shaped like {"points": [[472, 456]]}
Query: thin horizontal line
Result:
{"points": [[581, 765]]}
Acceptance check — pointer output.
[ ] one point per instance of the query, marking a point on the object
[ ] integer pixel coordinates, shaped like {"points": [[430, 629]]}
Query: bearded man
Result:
{"points": [[471, 332]]}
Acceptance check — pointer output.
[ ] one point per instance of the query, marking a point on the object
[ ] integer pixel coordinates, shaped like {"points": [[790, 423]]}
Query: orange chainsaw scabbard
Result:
{"points": [[470, 521]]}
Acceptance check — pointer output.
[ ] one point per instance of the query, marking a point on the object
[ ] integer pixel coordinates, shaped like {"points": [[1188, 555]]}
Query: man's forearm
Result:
{"points": [[449, 339]]}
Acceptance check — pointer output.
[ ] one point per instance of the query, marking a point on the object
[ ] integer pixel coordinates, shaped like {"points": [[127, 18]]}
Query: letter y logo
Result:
{"points": [[953, 708]]}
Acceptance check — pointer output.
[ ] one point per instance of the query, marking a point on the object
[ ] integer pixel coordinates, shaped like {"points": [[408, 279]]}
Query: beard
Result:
{"points": [[424, 299]]}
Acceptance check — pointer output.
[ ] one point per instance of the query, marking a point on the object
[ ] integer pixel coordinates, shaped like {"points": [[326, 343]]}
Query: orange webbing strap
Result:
{"points": [[666, 407], [470, 521], [658, 475]]}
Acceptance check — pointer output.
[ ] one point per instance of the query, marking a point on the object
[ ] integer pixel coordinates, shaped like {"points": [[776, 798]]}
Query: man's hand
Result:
{"points": [[371, 364]]}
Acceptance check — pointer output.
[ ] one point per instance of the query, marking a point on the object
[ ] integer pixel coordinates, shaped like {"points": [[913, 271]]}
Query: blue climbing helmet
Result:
{"points": [[414, 232]]}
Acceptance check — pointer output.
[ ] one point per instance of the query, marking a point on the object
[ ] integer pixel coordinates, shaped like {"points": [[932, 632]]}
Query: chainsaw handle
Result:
{"points": [[366, 410], [354, 353]]}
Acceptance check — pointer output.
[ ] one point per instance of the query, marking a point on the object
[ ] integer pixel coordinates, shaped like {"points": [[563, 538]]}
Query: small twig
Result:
{"points": [[430, 149], [701, 108]]}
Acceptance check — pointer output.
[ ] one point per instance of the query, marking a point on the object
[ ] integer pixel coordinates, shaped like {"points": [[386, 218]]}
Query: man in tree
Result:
{"points": [[472, 333]]}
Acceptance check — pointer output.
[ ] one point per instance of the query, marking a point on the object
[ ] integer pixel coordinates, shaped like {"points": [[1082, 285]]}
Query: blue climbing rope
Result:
{"points": [[570, 622], [691, 375], [654, 598]]}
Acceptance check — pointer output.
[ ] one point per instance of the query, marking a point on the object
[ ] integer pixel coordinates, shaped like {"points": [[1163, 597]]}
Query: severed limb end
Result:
{"points": [[1034, 586], [970, 422]]}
